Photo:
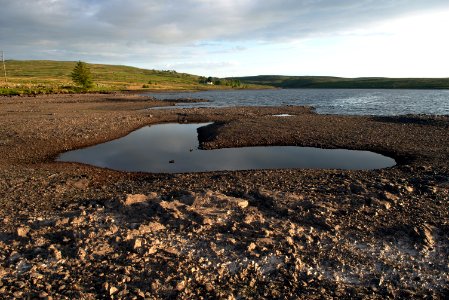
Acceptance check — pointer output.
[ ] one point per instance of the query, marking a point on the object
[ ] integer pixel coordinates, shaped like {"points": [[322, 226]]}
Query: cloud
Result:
{"points": [[133, 30]]}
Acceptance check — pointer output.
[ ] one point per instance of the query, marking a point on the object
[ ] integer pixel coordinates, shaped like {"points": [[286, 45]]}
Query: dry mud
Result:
{"points": [[70, 231]]}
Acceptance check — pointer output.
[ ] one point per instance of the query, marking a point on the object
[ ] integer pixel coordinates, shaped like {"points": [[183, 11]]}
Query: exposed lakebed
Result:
{"points": [[174, 148]]}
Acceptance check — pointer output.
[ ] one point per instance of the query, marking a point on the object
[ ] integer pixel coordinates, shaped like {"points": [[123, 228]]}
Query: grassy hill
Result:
{"points": [[339, 82], [42, 76]]}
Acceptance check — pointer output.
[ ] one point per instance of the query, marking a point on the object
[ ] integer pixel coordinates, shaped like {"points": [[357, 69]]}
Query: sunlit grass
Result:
{"points": [[49, 77]]}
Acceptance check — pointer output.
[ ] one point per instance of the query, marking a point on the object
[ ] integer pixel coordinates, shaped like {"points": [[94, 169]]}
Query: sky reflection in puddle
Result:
{"points": [[173, 148]]}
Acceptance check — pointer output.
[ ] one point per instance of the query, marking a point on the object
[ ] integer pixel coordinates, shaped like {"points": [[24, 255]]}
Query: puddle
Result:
{"points": [[282, 115], [173, 148]]}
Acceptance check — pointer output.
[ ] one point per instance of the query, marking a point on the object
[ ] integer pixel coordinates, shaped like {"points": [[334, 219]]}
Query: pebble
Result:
{"points": [[23, 231]]}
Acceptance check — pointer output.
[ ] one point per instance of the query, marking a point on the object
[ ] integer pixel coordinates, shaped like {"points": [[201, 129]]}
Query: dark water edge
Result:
{"points": [[379, 102], [173, 148]]}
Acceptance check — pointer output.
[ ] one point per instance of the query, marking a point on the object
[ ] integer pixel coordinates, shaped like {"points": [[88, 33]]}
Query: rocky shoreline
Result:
{"points": [[74, 231]]}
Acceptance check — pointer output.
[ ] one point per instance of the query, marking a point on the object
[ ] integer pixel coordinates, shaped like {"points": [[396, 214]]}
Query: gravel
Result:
{"points": [[76, 231]]}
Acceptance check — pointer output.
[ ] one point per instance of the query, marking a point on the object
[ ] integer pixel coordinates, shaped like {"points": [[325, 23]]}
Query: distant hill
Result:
{"points": [[45, 77], [339, 82]]}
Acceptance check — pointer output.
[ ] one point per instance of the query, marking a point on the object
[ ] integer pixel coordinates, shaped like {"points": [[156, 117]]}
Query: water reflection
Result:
{"points": [[154, 148]]}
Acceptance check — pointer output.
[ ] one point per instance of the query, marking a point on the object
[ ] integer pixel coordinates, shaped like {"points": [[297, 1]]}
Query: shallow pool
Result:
{"points": [[173, 148]]}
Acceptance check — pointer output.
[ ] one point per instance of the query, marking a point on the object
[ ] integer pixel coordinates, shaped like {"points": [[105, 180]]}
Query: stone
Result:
{"points": [[152, 250], [113, 290], [135, 198], [252, 246], [81, 253], [43, 295], [78, 220], [23, 266], [23, 231], [151, 227], [18, 294], [63, 221], [137, 243], [181, 286], [425, 233], [242, 203], [79, 184], [381, 203], [55, 252], [357, 188], [409, 189], [389, 196]]}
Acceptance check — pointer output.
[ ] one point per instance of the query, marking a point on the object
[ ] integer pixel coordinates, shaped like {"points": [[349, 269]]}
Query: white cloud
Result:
{"points": [[183, 32]]}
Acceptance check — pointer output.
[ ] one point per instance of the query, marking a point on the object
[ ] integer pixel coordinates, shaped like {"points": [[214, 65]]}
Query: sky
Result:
{"points": [[223, 38]]}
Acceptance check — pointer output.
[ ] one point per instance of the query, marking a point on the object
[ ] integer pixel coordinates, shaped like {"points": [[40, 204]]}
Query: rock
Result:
{"points": [[14, 257], [81, 253], [23, 231], [137, 243], [252, 246], [81, 184], [181, 286], [151, 227], [113, 290], [207, 221], [18, 294], [389, 196], [409, 189], [78, 220], [135, 198], [63, 221], [152, 250], [380, 204], [357, 188], [23, 266], [242, 203], [55, 252], [43, 295], [425, 233]]}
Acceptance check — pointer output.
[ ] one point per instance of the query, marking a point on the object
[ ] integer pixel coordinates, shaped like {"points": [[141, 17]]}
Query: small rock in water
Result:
{"points": [[171, 161]]}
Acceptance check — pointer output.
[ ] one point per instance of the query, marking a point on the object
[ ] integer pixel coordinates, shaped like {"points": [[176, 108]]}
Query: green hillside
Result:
{"points": [[339, 82], [42, 76]]}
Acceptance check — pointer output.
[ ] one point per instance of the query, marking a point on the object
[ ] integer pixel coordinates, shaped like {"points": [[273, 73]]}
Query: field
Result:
{"points": [[50, 77]]}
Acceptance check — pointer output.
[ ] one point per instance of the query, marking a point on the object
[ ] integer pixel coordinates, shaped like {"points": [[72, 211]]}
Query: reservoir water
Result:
{"points": [[173, 148], [327, 101]]}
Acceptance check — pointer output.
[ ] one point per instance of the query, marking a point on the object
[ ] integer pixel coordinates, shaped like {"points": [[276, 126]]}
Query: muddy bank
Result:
{"points": [[74, 231]]}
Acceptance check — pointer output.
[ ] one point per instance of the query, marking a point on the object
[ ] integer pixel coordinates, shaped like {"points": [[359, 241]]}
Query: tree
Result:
{"points": [[81, 75]]}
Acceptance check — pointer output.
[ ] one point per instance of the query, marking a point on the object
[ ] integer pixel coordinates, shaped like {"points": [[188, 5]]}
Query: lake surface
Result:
{"points": [[328, 101], [173, 148]]}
